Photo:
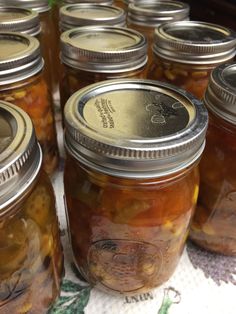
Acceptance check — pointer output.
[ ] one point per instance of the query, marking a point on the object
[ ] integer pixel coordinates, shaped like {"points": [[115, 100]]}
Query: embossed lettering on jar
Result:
{"points": [[31, 261], [131, 180], [93, 54], [23, 84], [185, 53], [213, 226]]}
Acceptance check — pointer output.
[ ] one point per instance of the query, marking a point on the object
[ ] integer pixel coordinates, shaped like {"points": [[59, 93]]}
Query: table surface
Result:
{"points": [[203, 283]]}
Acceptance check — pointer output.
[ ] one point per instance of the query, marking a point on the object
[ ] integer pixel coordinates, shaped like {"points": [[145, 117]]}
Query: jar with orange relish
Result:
{"points": [[31, 260], [83, 14], [22, 83], [213, 226], [186, 52], [144, 16], [131, 180], [93, 54], [48, 38]]}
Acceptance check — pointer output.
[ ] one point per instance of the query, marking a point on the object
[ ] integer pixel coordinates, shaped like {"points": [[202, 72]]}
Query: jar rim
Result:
{"points": [[20, 154], [115, 140]]}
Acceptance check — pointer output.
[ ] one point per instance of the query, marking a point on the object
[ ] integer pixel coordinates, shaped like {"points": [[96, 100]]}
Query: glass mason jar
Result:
{"points": [[83, 14], [213, 227], [22, 83], [31, 260], [185, 53], [131, 180], [93, 54], [48, 38], [144, 16]]}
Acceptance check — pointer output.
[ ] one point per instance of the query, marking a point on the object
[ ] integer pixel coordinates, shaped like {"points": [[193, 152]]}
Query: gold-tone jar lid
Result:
{"points": [[35, 5], [194, 42], [13, 19], [153, 13], [83, 14], [103, 49], [20, 154], [135, 128], [102, 2], [220, 96], [20, 57]]}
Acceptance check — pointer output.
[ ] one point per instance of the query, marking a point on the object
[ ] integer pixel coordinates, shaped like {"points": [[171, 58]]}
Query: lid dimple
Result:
{"points": [[104, 49]]}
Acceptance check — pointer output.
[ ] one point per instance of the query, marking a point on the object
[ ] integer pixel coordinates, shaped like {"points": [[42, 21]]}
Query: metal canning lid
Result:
{"points": [[135, 128], [20, 154], [154, 13], [90, 14], [220, 96], [103, 2], [13, 19], [103, 49], [20, 57], [35, 5], [194, 42]]}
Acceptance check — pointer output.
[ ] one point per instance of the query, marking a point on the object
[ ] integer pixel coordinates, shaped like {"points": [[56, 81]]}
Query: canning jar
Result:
{"points": [[93, 54], [31, 261], [185, 53], [14, 19], [144, 16], [23, 84], [84, 14], [131, 180], [48, 38], [213, 227]]}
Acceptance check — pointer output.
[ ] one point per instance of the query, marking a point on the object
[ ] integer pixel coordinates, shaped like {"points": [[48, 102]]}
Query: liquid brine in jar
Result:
{"points": [[131, 180], [93, 54], [31, 260], [22, 83], [185, 53], [213, 226]]}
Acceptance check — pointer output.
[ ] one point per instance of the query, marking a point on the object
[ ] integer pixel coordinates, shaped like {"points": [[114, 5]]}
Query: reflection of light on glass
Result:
{"points": [[4, 142]]}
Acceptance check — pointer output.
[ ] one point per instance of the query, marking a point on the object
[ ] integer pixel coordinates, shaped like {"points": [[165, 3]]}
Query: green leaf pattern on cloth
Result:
{"points": [[73, 300], [171, 296]]}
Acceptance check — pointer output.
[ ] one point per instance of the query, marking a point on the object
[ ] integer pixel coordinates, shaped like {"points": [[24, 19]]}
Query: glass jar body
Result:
{"points": [[213, 226], [75, 79], [31, 259], [50, 46], [128, 234], [148, 32], [32, 96], [192, 78]]}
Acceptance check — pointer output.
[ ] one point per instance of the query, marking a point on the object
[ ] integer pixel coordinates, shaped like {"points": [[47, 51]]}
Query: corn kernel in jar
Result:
{"points": [[131, 180], [23, 84], [185, 53], [213, 226], [144, 16], [93, 54], [83, 14], [31, 260]]}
